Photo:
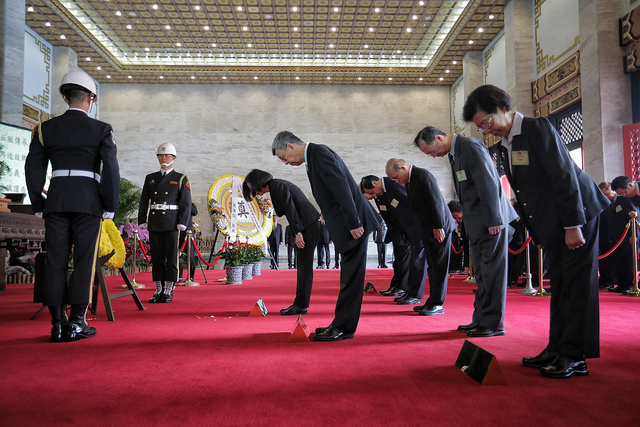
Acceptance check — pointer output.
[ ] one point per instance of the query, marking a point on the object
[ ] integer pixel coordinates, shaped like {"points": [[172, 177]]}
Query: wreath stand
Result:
{"points": [[99, 282]]}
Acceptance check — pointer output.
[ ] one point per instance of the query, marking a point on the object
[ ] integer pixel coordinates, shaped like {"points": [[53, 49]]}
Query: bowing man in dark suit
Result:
{"points": [[436, 224], [487, 214], [274, 239], [85, 187], [290, 243], [560, 205], [409, 266], [165, 210], [349, 217], [290, 201]]}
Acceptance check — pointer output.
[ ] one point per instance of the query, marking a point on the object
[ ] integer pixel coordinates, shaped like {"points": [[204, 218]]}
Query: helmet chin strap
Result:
{"points": [[164, 165]]}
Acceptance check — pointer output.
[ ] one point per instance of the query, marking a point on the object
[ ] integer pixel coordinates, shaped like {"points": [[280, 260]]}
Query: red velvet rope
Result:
{"points": [[143, 251], [453, 248], [524, 246], [224, 245], [183, 245], [127, 240], [606, 254]]}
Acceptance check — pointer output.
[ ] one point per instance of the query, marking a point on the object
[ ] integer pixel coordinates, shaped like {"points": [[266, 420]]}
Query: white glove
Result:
{"points": [[182, 227], [38, 214], [108, 215], [143, 226]]}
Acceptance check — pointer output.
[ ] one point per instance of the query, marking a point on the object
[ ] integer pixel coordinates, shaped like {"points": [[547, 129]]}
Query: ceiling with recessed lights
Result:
{"points": [[269, 41]]}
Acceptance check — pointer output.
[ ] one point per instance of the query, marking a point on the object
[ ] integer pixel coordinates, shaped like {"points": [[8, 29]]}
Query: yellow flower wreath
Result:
{"points": [[110, 239]]}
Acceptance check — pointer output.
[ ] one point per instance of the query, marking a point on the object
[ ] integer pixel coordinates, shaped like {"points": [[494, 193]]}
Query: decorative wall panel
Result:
{"points": [[37, 71], [556, 32]]}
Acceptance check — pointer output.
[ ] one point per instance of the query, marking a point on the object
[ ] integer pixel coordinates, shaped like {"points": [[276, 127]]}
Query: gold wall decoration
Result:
{"points": [[558, 101], [457, 127], [562, 74], [543, 60], [629, 26]]}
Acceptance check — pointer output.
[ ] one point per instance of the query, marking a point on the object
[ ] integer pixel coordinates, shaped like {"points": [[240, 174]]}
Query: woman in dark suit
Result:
{"points": [[288, 200]]}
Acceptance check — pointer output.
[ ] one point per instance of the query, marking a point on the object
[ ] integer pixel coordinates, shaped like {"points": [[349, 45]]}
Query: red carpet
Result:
{"points": [[201, 360]]}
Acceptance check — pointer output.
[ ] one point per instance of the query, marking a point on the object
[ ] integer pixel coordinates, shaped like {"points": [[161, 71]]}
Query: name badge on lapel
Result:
{"points": [[395, 203], [618, 208], [383, 208], [520, 158], [461, 175]]}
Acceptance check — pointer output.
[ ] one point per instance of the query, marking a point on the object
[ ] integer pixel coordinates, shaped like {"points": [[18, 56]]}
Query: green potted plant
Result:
{"points": [[255, 255], [234, 256]]}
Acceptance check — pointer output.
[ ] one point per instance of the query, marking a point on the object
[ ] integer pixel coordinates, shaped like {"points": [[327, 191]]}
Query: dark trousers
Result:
{"points": [[62, 230], [401, 263], [192, 257], [323, 250], [574, 321], [489, 258], [352, 272], [418, 269], [382, 254], [304, 257], [292, 256], [438, 255], [164, 255]]}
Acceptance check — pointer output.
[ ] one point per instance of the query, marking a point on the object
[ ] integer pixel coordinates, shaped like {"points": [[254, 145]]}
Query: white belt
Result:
{"points": [[163, 207], [75, 172]]}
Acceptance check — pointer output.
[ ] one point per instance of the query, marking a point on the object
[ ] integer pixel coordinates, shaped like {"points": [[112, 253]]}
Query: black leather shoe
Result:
{"points": [[541, 360], [293, 309], [322, 330], [619, 289], [481, 331], [320, 267], [332, 334], [406, 299], [434, 310], [564, 367], [77, 327], [386, 291], [467, 328], [394, 293], [419, 307]]}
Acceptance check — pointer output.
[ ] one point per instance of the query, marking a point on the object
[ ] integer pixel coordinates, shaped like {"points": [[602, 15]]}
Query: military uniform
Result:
{"points": [[77, 146], [165, 203]]}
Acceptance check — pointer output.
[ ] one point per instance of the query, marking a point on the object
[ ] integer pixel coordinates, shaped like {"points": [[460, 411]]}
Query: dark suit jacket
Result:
{"points": [[394, 208], [427, 203], [288, 200], [552, 191], [477, 183], [172, 189], [73, 141], [343, 205]]}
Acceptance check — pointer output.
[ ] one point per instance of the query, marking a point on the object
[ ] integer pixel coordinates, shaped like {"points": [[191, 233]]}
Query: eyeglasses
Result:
{"points": [[394, 178], [485, 124]]}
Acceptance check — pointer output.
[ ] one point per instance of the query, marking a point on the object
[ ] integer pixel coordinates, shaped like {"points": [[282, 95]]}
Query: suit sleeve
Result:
{"points": [[143, 209], [36, 171], [485, 179], [429, 188], [284, 197], [336, 181], [563, 183], [184, 205], [110, 180]]}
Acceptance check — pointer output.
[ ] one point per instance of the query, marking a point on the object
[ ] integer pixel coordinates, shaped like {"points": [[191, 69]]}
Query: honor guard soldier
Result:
{"points": [[165, 209], [79, 196]]}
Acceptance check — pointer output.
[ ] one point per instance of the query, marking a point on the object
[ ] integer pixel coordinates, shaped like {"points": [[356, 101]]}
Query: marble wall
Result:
{"points": [[222, 129]]}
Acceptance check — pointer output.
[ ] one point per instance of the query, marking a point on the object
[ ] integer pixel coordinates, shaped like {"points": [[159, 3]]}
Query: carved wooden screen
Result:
{"points": [[631, 148]]}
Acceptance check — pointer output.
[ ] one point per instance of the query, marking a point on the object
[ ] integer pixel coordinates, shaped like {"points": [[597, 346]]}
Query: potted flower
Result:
{"points": [[234, 255], [254, 257]]}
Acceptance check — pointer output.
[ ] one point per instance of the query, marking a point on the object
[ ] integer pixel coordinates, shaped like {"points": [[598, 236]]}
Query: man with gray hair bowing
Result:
{"points": [[349, 217]]}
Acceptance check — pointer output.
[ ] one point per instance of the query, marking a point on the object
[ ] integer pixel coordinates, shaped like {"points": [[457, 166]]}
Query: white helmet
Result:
{"points": [[166, 148], [79, 78]]}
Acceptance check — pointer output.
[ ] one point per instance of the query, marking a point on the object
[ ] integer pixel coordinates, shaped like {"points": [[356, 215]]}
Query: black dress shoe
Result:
{"points": [[386, 291], [322, 330], [433, 310], [481, 331], [564, 367], [76, 331], [407, 299], [619, 289], [394, 293], [419, 307], [294, 309], [541, 360], [467, 328], [332, 334]]}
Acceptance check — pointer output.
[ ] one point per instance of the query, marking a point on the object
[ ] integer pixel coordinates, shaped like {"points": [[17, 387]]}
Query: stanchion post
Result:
{"points": [[470, 278], [133, 253], [188, 282], [528, 289], [541, 292], [635, 292]]}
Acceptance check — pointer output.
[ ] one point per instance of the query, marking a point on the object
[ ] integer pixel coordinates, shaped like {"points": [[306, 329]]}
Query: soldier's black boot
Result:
{"points": [[157, 297], [77, 326], [58, 320]]}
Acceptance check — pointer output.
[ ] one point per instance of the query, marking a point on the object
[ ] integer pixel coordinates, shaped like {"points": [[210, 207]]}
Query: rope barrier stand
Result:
{"points": [[540, 292], [635, 292], [134, 268], [528, 289], [189, 239]]}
